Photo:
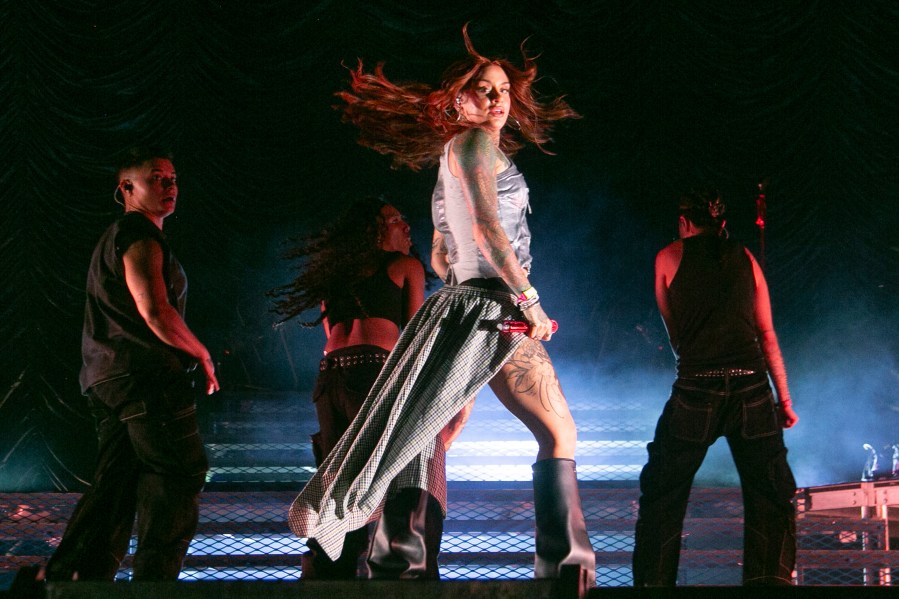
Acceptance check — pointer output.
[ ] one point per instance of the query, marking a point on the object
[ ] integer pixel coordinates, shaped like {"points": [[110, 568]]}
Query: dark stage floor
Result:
{"points": [[260, 459]]}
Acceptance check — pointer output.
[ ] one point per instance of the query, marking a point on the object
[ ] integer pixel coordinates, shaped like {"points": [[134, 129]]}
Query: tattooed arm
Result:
{"points": [[477, 158], [439, 255]]}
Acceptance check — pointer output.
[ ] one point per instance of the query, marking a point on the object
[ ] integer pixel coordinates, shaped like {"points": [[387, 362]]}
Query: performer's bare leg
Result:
{"points": [[529, 388]]}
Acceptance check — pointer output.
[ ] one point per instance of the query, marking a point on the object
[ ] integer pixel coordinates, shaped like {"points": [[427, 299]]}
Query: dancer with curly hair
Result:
{"points": [[359, 274]]}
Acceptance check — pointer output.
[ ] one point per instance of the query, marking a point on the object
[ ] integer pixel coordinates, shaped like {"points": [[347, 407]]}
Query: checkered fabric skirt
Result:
{"points": [[445, 355]]}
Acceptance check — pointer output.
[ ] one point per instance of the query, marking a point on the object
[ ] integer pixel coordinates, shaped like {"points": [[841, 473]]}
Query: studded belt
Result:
{"points": [[718, 373], [345, 361]]}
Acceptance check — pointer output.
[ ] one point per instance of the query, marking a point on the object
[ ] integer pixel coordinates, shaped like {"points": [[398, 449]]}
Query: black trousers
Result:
{"points": [[151, 464], [740, 408], [344, 380]]}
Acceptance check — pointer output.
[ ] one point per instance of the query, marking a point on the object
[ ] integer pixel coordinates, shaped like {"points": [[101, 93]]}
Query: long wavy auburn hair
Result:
{"points": [[411, 122]]}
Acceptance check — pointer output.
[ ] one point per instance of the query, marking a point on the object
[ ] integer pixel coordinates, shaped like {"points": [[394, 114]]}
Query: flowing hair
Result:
{"points": [[331, 262], [411, 122]]}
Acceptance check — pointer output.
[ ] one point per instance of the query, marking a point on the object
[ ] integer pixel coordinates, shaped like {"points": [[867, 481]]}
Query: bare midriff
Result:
{"points": [[365, 331]]}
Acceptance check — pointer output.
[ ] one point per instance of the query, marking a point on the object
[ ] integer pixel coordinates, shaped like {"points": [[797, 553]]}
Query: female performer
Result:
{"points": [[360, 273], [451, 348]]}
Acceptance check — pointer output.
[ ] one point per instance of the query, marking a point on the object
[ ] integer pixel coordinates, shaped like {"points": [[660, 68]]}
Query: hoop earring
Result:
{"points": [[115, 197], [513, 122], [458, 108], [449, 112]]}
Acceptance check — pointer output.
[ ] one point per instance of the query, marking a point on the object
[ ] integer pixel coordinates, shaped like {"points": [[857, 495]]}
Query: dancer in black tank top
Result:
{"points": [[714, 301], [136, 350]]}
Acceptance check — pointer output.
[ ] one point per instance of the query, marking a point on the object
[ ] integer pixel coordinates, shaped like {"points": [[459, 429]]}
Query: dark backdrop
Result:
{"points": [[803, 95]]}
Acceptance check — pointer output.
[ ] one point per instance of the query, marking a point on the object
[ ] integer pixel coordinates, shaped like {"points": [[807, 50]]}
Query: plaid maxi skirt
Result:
{"points": [[446, 354]]}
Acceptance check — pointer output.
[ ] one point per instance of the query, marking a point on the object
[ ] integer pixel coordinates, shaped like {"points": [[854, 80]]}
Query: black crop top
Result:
{"points": [[375, 297]]}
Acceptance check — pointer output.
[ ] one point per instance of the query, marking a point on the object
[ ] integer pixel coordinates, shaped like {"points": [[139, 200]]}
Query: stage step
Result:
{"points": [[258, 437]]}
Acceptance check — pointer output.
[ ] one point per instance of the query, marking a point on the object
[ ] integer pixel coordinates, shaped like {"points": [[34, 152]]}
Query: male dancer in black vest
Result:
{"points": [[137, 351], [714, 300]]}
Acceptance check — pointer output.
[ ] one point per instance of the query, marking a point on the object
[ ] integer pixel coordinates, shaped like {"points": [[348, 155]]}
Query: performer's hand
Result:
{"points": [[787, 416], [212, 383], [541, 324]]}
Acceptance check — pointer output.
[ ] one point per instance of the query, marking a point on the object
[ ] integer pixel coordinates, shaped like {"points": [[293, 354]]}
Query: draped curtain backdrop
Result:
{"points": [[803, 96]]}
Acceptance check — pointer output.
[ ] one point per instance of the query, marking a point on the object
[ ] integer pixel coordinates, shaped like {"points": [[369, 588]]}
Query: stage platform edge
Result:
{"points": [[366, 589], [566, 587]]}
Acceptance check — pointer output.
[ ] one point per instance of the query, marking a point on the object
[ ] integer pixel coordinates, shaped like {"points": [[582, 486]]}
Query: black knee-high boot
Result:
{"points": [[406, 539], [561, 531], [316, 565]]}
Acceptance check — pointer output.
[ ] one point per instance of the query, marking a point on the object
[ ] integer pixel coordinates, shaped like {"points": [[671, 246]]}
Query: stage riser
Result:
{"points": [[255, 437]]}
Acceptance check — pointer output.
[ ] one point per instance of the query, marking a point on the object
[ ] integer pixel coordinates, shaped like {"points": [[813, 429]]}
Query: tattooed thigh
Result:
{"points": [[530, 376]]}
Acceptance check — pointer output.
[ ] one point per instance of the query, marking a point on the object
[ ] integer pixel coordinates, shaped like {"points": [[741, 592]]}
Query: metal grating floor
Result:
{"points": [[260, 457], [488, 535]]}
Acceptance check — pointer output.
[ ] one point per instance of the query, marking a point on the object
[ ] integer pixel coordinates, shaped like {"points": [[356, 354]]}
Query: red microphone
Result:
{"points": [[518, 326]]}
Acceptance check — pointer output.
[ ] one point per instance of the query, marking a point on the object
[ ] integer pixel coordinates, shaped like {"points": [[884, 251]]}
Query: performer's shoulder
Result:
{"points": [[669, 257], [673, 249], [397, 261]]}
